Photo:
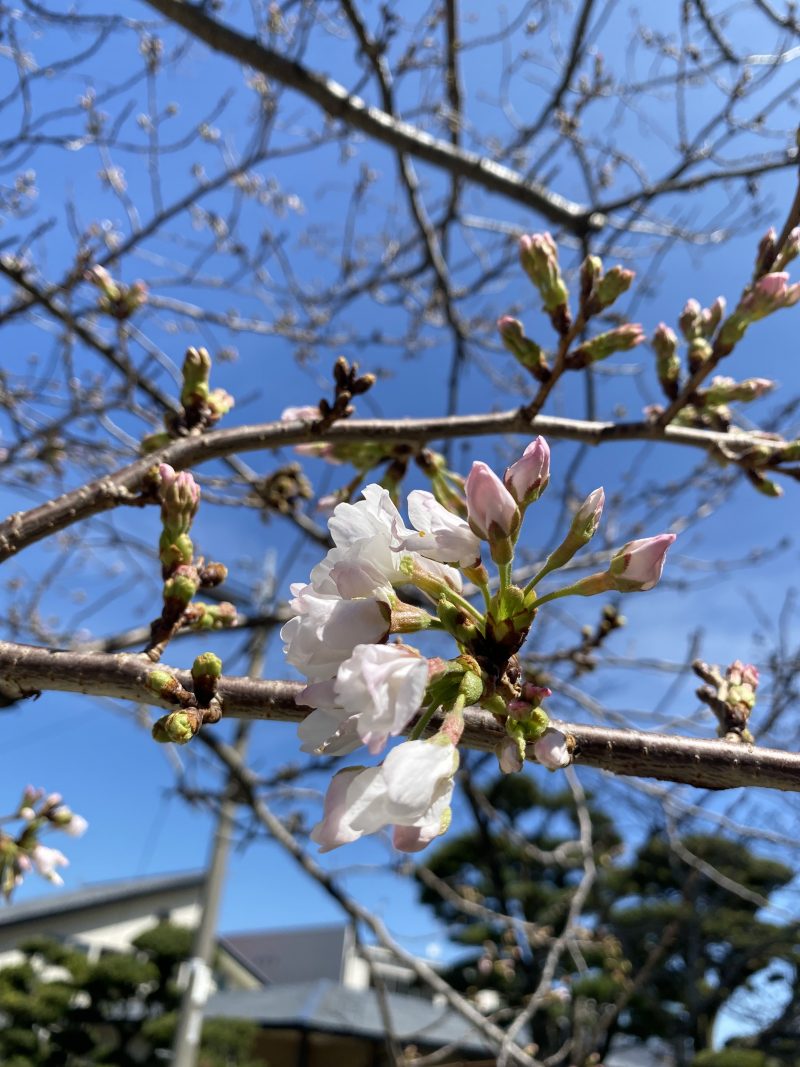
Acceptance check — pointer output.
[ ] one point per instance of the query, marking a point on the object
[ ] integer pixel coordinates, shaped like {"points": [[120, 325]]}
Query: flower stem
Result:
{"points": [[505, 578], [546, 569], [463, 603], [425, 718]]}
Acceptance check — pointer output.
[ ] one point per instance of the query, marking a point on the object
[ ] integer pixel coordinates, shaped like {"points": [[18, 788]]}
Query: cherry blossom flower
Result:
{"points": [[383, 685], [411, 790], [45, 860], [375, 694], [329, 729], [440, 535], [327, 629], [67, 821]]}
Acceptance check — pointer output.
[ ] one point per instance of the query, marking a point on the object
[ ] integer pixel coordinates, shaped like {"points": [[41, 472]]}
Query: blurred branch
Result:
{"points": [[25, 528], [334, 99]]}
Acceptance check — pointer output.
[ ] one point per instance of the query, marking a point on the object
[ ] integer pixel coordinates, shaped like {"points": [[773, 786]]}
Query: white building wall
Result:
{"points": [[109, 926]]}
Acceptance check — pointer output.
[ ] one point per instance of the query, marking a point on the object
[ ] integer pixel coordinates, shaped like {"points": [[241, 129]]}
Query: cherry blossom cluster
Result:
{"points": [[22, 851], [364, 690]]}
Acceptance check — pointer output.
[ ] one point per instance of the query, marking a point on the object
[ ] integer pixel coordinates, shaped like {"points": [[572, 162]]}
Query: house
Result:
{"points": [[104, 917], [318, 997], [309, 989]]}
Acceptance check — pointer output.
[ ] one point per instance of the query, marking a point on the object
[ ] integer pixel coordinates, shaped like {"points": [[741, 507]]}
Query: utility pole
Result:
{"points": [[186, 1043]]}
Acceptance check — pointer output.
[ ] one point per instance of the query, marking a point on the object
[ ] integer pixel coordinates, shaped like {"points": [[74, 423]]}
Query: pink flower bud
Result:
{"points": [[582, 529], [535, 694], [750, 675], [552, 750], [527, 479], [587, 517], [743, 674], [166, 475], [491, 509], [638, 565], [509, 755]]}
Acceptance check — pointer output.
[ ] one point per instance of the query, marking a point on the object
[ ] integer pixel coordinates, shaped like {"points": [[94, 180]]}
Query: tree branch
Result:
{"points": [[24, 528], [336, 101], [26, 671]]}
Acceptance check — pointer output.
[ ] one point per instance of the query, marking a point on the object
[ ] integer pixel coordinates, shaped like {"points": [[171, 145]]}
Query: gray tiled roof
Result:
{"points": [[291, 955], [94, 896], [325, 1006]]}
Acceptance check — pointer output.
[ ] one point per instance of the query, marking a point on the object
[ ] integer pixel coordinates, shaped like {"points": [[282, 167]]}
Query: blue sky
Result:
{"points": [[99, 756]]}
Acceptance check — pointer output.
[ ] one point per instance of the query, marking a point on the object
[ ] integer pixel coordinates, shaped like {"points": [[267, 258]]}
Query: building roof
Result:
{"points": [[97, 895], [291, 955], [325, 1006]]}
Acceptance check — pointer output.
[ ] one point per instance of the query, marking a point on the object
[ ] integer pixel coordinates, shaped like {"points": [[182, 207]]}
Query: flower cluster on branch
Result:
{"points": [[365, 691], [22, 851]]}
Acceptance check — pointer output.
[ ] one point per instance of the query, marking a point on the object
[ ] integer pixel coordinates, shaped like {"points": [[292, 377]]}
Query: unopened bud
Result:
{"points": [[790, 250], [202, 616], [180, 496], [529, 354], [552, 750], [181, 587], [582, 530], [723, 390], [492, 512], [219, 403], [764, 485], [213, 574], [535, 694], [591, 273], [527, 479], [765, 255], [165, 686], [178, 727], [206, 672], [698, 352], [511, 752], [712, 316], [668, 364], [539, 258], [196, 371], [637, 566], [611, 287], [603, 345], [691, 320]]}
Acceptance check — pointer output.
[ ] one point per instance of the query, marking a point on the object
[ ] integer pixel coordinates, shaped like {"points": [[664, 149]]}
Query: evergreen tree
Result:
{"points": [[669, 938], [59, 1009]]}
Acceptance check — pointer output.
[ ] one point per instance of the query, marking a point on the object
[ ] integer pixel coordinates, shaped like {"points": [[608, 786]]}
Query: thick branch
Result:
{"points": [[335, 100], [26, 670], [26, 527]]}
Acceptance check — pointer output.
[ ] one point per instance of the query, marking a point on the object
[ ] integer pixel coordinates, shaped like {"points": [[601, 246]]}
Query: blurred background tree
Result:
{"points": [[62, 1009]]}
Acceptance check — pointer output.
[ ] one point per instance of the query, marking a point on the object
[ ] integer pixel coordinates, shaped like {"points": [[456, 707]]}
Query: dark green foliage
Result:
{"points": [[673, 915], [736, 1057], [61, 1010]]}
